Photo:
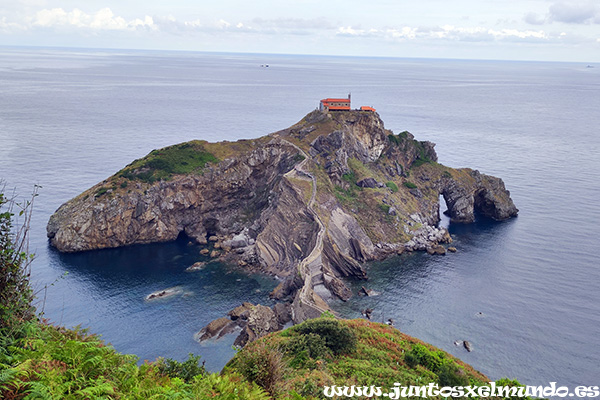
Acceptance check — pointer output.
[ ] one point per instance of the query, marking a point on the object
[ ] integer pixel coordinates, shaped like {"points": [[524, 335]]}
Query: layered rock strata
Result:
{"points": [[308, 204]]}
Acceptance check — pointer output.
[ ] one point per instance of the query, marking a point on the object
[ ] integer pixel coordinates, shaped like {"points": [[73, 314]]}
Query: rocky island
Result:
{"points": [[308, 204]]}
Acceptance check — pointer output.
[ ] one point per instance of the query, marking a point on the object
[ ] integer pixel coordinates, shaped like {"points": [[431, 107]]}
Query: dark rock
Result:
{"points": [[283, 311], [239, 310], [367, 292], [245, 337], [468, 346], [229, 328], [368, 313], [417, 193], [337, 287], [485, 194], [212, 329], [367, 183], [288, 288]]}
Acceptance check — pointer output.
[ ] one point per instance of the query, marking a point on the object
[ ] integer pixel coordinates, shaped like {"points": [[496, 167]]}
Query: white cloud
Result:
{"points": [[446, 32], [103, 19]]}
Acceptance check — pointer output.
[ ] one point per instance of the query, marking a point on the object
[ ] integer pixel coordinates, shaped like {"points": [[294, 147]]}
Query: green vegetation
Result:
{"points": [[101, 192], [410, 185], [185, 158], [392, 186], [384, 207], [15, 290], [299, 361], [56, 363], [41, 361], [398, 139], [401, 140], [348, 196]]}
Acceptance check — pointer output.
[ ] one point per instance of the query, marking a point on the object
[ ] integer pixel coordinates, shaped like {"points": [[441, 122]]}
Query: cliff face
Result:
{"points": [[308, 203]]}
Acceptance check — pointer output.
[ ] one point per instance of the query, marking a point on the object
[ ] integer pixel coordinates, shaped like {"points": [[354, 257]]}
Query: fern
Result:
{"points": [[103, 388], [38, 391]]}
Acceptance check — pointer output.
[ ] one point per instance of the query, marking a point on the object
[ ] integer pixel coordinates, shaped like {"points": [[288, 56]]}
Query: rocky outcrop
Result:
{"points": [[249, 320], [477, 193], [308, 204]]}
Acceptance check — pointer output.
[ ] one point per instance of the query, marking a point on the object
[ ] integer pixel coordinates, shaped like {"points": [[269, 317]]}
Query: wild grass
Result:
{"points": [[162, 164]]}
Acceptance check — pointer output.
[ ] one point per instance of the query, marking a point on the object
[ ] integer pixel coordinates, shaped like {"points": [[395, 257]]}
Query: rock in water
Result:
{"points": [[468, 346], [198, 266]]}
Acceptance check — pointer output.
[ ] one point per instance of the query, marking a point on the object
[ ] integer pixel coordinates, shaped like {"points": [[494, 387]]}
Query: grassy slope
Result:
{"points": [[382, 356], [46, 362]]}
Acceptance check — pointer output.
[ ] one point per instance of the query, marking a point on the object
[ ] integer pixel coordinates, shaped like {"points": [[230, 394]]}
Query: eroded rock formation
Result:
{"points": [[308, 204]]}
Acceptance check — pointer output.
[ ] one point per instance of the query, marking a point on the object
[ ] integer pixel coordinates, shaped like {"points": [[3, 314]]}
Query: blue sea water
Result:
{"points": [[524, 292]]}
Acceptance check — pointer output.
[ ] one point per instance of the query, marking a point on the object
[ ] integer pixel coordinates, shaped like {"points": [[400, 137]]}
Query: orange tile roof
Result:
{"points": [[335, 101], [367, 108]]}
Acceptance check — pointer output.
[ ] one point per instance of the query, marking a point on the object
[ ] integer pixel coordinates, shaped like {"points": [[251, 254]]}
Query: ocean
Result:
{"points": [[524, 292]]}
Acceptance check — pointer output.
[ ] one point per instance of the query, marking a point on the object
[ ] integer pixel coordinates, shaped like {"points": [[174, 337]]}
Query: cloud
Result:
{"points": [[293, 24], [446, 32], [534, 19], [567, 12], [103, 19], [575, 13]]}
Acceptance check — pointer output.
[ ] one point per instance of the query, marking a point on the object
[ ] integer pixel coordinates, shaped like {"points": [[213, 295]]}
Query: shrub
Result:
{"points": [[15, 290], [420, 354], [410, 185], [260, 364], [307, 346], [101, 191], [186, 370], [451, 375], [392, 186], [337, 337], [385, 208], [350, 177]]}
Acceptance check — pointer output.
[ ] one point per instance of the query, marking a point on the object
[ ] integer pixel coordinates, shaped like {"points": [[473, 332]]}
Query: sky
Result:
{"points": [[544, 30]]}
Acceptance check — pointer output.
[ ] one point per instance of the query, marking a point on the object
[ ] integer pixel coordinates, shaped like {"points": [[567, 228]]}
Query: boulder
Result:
{"points": [[283, 311], [337, 287], [212, 329], [239, 310], [196, 266], [468, 346], [239, 240], [367, 292], [436, 250], [367, 183]]}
